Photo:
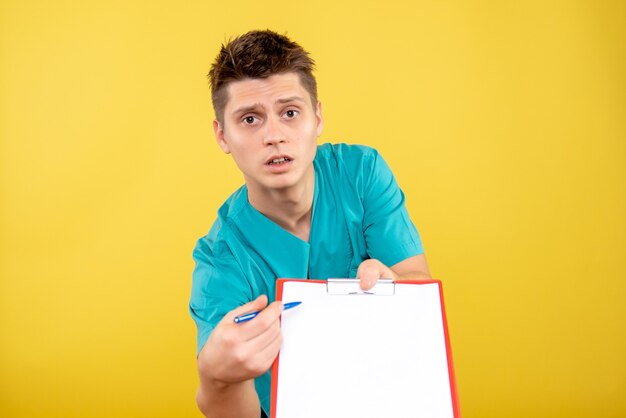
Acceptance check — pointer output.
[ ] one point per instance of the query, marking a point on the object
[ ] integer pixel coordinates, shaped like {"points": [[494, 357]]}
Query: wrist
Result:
{"points": [[220, 399], [211, 381]]}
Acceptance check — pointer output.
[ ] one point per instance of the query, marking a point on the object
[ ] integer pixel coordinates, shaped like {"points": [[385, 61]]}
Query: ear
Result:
{"points": [[320, 119], [219, 136]]}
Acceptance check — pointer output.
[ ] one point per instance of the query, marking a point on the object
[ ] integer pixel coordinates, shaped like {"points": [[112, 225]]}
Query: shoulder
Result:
{"points": [[351, 159], [217, 242], [345, 153], [357, 164], [218, 273]]}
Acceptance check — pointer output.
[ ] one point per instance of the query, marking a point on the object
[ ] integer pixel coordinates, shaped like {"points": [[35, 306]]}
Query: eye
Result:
{"points": [[291, 113], [249, 120]]}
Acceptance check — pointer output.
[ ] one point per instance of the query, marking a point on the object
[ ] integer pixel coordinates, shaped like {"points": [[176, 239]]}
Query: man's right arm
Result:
{"points": [[233, 356]]}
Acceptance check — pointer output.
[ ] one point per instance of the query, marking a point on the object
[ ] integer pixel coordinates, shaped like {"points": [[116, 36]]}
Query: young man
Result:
{"points": [[304, 212]]}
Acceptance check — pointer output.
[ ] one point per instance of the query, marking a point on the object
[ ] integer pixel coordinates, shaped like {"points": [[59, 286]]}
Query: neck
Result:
{"points": [[291, 208]]}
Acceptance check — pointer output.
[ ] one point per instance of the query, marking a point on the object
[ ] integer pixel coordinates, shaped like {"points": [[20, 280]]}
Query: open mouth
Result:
{"points": [[281, 160]]}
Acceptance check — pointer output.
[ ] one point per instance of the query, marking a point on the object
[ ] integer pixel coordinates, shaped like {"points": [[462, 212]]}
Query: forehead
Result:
{"points": [[264, 91]]}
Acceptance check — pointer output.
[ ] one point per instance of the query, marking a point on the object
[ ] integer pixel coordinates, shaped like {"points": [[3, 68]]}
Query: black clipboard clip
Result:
{"points": [[383, 287]]}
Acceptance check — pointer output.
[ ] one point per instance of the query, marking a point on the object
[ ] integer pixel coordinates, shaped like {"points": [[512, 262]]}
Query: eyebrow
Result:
{"points": [[246, 109], [291, 99]]}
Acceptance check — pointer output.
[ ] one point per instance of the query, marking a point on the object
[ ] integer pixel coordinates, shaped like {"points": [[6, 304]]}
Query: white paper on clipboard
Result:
{"points": [[363, 355]]}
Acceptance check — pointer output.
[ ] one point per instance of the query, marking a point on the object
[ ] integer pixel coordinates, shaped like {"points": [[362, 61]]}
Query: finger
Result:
{"points": [[262, 340], [262, 360], [267, 355], [269, 314], [256, 305], [261, 350], [267, 318], [368, 277]]}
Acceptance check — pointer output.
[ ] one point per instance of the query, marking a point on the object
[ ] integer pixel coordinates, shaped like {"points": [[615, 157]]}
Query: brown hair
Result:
{"points": [[258, 54]]}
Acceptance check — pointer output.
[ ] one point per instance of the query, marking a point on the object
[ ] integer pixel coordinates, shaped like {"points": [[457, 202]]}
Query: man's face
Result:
{"points": [[271, 128]]}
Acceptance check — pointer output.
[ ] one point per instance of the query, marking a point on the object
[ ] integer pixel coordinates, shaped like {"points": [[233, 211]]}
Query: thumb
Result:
{"points": [[368, 275], [256, 305]]}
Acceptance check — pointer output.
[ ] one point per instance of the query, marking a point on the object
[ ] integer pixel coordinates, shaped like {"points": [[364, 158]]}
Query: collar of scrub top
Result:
{"points": [[286, 254]]}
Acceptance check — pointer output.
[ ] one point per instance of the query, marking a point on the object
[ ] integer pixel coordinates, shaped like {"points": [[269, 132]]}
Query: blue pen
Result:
{"points": [[249, 316]]}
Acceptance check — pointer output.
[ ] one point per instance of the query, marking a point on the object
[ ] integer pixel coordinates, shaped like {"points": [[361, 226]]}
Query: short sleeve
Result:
{"points": [[218, 287], [390, 235]]}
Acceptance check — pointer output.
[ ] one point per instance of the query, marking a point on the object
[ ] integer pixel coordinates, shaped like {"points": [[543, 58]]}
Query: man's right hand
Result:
{"points": [[238, 352]]}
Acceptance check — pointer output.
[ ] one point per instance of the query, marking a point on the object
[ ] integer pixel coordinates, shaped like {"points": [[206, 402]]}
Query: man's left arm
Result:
{"points": [[393, 242], [414, 268]]}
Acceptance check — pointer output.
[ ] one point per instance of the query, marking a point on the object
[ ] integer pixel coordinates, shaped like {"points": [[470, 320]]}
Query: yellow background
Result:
{"points": [[504, 123]]}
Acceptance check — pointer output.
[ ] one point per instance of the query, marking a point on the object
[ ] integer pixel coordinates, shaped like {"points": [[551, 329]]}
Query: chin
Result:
{"points": [[281, 184]]}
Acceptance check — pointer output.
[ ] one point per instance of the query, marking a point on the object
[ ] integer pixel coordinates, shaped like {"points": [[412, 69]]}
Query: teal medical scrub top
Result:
{"points": [[358, 213]]}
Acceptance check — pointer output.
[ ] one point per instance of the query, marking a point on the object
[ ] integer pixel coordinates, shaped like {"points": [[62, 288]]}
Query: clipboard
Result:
{"points": [[349, 353]]}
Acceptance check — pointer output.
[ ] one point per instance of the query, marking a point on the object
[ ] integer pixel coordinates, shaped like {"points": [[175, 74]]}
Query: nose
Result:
{"points": [[273, 133]]}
